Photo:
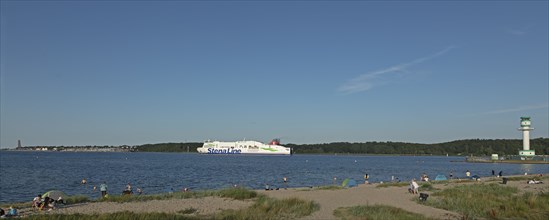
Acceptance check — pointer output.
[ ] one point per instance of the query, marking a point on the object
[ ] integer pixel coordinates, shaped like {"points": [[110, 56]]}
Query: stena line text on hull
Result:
{"points": [[244, 147]]}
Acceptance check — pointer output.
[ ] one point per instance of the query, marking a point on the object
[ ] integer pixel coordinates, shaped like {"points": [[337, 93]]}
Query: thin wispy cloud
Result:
{"points": [[519, 109], [365, 81], [518, 31]]}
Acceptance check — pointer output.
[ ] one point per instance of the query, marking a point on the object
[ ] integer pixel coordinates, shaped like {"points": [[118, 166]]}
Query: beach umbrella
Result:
{"points": [[54, 194], [348, 183], [441, 177], [344, 183]]}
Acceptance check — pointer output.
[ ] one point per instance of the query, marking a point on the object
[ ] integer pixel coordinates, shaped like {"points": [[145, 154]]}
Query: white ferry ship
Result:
{"points": [[244, 147]]}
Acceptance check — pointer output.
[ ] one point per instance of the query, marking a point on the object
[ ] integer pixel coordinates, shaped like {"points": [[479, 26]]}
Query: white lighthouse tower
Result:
{"points": [[525, 128]]}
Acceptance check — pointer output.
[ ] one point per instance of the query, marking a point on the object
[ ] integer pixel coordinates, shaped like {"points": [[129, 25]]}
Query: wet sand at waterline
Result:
{"points": [[329, 200]]}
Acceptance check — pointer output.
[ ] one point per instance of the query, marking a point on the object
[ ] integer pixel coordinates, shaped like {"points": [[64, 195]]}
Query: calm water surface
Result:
{"points": [[26, 174]]}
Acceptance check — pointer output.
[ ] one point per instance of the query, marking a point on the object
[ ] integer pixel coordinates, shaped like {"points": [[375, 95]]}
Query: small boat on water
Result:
{"points": [[244, 147]]}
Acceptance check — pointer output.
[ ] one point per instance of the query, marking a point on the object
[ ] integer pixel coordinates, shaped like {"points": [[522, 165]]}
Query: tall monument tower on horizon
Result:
{"points": [[525, 128], [19, 144]]}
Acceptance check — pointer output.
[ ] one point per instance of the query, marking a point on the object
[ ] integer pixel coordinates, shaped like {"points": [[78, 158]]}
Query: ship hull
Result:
{"points": [[243, 147]]}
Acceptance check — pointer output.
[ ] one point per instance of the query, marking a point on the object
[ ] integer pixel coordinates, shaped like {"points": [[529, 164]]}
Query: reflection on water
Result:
{"points": [[25, 174]]}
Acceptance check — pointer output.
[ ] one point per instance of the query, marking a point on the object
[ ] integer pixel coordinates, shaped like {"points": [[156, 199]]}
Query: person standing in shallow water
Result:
{"points": [[103, 189]]}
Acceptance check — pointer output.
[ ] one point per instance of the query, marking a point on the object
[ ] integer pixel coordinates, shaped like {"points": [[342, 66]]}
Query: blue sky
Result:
{"points": [[137, 72]]}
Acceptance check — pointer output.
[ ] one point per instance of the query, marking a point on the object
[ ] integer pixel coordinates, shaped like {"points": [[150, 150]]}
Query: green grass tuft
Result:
{"points": [[388, 184], [187, 211], [330, 187], [237, 193], [76, 199], [375, 212], [269, 208], [427, 187], [234, 193]]}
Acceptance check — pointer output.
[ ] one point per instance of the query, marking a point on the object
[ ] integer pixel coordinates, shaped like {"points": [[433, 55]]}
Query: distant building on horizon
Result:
{"points": [[19, 143]]}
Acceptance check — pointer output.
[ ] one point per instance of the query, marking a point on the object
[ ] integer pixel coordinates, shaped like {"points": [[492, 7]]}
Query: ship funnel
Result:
{"points": [[275, 142]]}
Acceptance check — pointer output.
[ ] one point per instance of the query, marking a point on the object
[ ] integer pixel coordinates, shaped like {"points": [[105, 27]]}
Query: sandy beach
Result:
{"points": [[329, 200]]}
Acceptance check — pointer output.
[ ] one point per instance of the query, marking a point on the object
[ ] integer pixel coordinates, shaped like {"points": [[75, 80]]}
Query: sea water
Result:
{"points": [[23, 175]]}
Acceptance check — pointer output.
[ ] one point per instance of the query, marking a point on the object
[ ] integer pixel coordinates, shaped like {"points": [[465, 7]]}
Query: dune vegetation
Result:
{"points": [[493, 201]]}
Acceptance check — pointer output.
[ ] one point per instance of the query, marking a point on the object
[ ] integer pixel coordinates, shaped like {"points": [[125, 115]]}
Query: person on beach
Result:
{"points": [[11, 212], [493, 173], [94, 188], [500, 174], [103, 189], [468, 174], [84, 181], [415, 186], [60, 200], [36, 201], [139, 191], [451, 175], [366, 177], [285, 182], [129, 187]]}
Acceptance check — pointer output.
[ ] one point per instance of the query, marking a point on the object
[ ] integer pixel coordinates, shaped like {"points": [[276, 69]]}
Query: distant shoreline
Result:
{"points": [[512, 161]]}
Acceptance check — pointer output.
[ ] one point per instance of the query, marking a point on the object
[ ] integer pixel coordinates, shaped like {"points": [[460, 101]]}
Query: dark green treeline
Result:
{"points": [[477, 147]]}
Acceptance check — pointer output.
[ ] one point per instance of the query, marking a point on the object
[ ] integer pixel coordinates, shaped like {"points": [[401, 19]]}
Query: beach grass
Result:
{"points": [[427, 187], [493, 201], [330, 187], [270, 208], [118, 216], [190, 210], [263, 208], [76, 199], [233, 193], [236, 193], [375, 212], [392, 184]]}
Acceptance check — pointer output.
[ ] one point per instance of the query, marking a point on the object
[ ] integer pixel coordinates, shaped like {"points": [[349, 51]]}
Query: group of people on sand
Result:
{"points": [[42, 203]]}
